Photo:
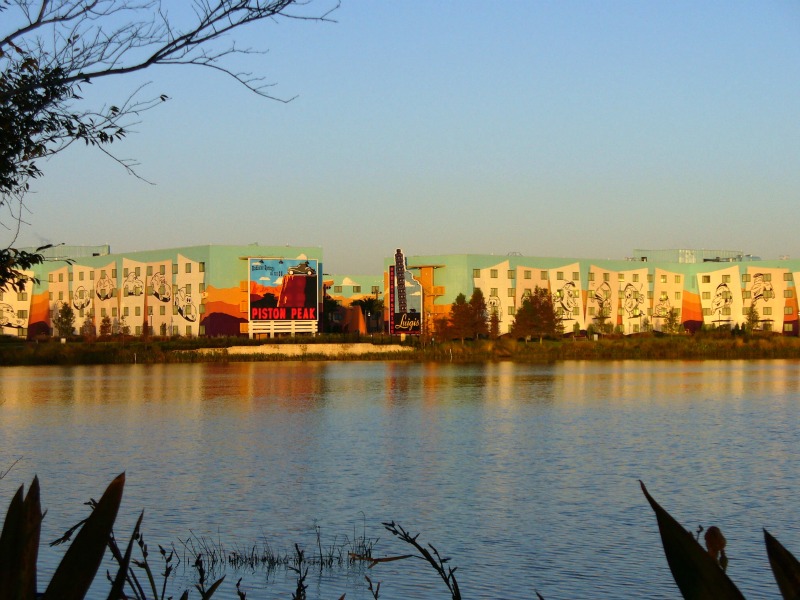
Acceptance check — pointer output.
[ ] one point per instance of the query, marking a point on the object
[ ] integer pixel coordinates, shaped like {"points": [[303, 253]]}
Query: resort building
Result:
{"points": [[263, 291], [201, 290], [703, 287]]}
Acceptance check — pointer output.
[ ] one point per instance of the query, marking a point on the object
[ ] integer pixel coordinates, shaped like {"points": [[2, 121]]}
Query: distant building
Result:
{"points": [[704, 287], [200, 290]]}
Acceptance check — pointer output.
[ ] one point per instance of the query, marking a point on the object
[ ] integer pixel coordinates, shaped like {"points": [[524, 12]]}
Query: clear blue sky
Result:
{"points": [[575, 129]]}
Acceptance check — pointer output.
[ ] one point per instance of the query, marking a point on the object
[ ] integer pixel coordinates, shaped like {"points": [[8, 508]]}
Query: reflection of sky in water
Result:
{"points": [[525, 474]]}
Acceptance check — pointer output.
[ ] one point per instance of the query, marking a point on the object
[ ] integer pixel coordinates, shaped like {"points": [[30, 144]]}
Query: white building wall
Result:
{"points": [[15, 308], [721, 297], [565, 284]]}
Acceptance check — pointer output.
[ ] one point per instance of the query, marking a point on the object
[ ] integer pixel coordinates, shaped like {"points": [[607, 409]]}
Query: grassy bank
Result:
{"points": [[704, 345]]}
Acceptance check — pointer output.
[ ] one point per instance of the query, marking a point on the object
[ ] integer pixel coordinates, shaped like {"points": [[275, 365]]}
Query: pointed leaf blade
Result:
{"points": [[697, 575], [77, 570], [785, 567]]}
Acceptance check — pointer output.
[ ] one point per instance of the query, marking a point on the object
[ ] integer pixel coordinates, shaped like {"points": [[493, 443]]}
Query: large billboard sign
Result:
{"points": [[405, 298], [283, 289]]}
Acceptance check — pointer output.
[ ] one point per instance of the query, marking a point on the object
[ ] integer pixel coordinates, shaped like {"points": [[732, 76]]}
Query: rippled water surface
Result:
{"points": [[526, 476]]}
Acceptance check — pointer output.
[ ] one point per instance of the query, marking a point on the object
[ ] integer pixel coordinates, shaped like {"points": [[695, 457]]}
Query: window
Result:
{"points": [[69, 276], [149, 270], [726, 279], [787, 310], [726, 311], [745, 278], [188, 288], [80, 276], [767, 276], [527, 274], [102, 312], [606, 276], [706, 312], [788, 293], [543, 275], [150, 311], [493, 293], [706, 278], [493, 273], [22, 314], [201, 309], [175, 272], [767, 310], [91, 275], [22, 296], [787, 327], [188, 267], [201, 267], [663, 279], [787, 276], [189, 330], [162, 269], [677, 278], [576, 312], [138, 271], [61, 296], [512, 275], [677, 295], [50, 278], [125, 272], [60, 277], [356, 289], [476, 273], [620, 276], [649, 294], [162, 310], [202, 287], [526, 293], [635, 278], [635, 328], [649, 278], [745, 310], [138, 311], [337, 289], [512, 310], [113, 273], [591, 276], [125, 312], [575, 276], [114, 311], [512, 292], [746, 294], [591, 311], [376, 290], [560, 275]]}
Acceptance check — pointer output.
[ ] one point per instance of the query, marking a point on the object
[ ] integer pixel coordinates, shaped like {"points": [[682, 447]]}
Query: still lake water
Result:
{"points": [[526, 475]]}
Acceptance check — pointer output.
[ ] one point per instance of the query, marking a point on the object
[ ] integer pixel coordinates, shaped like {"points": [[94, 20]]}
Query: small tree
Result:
{"points": [[753, 318], [87, 329], [106, 327], [480, 314], [64, 321], [124, 328], [537, 317], [494, 325], [461, 321], [672, 322]]}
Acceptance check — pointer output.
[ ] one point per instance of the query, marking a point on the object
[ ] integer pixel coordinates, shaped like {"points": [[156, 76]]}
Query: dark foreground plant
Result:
{"points": [[19, 547], [700, 573]]}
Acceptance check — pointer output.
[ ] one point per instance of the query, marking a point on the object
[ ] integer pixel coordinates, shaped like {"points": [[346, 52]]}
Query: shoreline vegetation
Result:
{"points": [[703, 345]]}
